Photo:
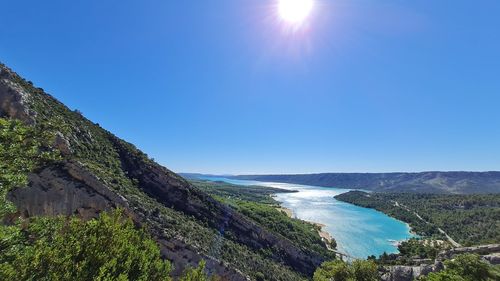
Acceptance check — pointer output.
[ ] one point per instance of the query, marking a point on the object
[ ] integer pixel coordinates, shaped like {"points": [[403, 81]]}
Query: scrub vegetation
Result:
{"points": [[338, 270], [466, 267]]}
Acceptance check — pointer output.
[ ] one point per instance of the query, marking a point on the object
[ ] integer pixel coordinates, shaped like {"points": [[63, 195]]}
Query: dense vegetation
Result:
{"points": [[467, 267], [414, 248], [107, 248], [256, 203], [22, 149], [259, 194], [468, 219], [338, 270]]}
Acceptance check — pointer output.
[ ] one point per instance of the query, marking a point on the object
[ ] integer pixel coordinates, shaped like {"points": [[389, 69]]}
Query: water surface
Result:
{"points": [[359, 231]]}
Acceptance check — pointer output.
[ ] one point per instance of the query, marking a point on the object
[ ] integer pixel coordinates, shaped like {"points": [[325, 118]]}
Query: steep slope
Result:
{"points": [[424, 182], [100, 171]]}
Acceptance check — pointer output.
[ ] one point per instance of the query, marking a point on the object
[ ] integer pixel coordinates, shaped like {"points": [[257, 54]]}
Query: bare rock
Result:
{"points": [[493, 259], [64, 189], [13, 99], [62, 144], [479, 250], [406, 273]]}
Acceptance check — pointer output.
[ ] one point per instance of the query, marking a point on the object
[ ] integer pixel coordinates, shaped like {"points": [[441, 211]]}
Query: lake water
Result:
{"points": [[359, 232]]}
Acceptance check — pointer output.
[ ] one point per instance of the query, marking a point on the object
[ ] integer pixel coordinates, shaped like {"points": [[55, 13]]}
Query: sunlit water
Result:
{"points": [[359, 232]]}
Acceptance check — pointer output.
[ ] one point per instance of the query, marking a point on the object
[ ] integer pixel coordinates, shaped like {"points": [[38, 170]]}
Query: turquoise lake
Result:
{"points": [[359, 232]]}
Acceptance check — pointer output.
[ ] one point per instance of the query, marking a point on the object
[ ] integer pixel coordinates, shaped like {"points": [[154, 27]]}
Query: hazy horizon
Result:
{"points": [[334, 172], [229, 87]]}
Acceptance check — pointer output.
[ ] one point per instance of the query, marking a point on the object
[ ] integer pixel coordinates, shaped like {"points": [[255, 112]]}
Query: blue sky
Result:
{"points": [[226, 87]]}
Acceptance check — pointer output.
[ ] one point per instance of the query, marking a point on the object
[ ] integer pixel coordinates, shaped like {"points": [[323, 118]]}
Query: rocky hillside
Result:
{"points": [[487, 253], [98, 171], [425, 182]]}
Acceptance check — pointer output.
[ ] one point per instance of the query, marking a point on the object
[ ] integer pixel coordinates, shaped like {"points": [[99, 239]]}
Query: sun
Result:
{"points": [[295, 11]]}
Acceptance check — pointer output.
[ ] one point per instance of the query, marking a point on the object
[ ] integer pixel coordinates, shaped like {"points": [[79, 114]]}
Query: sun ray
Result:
{"points": [[295, 11]]}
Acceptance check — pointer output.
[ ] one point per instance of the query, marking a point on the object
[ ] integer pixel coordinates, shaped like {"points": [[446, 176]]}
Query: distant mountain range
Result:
{"points": [[423, 182]]}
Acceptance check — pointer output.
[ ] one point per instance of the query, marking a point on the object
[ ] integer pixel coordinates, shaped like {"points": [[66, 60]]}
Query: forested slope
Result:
{"points": [[468, 219]]}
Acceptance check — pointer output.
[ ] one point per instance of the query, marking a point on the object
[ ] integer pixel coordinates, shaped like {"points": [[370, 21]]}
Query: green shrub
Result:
{"points": [[197, 274], [337, 270], [466, 267], [106, 248], [22, 149], [365, 270]]}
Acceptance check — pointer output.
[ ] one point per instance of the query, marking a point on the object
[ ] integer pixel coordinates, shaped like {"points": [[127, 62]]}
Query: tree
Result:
{"points": [[443, 276], [336, 270], [469, 266], [198, 274], [22, 149], [466, 267], [365, 270]]}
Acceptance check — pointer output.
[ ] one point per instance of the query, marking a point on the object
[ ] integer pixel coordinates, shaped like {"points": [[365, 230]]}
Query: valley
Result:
{"points": [[359, 232], [68, 185]]}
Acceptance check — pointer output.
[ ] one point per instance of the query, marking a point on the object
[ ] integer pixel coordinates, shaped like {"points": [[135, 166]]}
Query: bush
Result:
{"points": [[443, 276], [198, 274], [469, 266], [106, 248], [337, 270], [365, 270], [466, 267], [22, 149]]}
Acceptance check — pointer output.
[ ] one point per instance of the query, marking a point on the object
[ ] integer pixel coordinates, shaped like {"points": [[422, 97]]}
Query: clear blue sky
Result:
{"points": [[223, 86]]}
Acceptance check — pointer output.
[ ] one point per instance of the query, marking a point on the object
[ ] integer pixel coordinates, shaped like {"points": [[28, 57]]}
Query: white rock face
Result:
{"points": [[13, 98]]}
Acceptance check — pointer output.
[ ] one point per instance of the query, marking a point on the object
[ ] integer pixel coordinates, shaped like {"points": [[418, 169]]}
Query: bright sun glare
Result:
{"points": [[295, 11]]}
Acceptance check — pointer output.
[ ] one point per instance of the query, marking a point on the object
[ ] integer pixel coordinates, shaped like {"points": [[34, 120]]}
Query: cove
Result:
{"points": [[359, 232]]}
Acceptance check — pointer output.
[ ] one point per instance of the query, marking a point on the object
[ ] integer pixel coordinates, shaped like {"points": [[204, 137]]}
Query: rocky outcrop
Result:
{"points": [[489, 253], [408, 273], [493, 259], [479, 250], [64, 189], [62, 144], [13, 98]]}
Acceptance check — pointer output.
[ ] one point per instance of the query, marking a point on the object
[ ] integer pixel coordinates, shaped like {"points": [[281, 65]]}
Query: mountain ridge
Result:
{"points": [[453, 182]]}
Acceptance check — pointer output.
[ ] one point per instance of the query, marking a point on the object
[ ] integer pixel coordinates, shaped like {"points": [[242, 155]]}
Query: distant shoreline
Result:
{"points": [[326, 236]]}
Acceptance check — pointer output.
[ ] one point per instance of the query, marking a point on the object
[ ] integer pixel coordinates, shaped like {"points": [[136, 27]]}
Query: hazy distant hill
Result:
{"points": [[424, 182]]}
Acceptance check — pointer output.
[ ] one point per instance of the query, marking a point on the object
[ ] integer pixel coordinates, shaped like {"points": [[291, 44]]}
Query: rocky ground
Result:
{"points": [[489, 253]]}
